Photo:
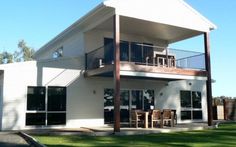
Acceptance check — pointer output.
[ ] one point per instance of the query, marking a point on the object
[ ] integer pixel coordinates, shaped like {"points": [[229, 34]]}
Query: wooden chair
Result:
{"points": [[156, 118], [175, 116], [168, 117], [136, 118]]}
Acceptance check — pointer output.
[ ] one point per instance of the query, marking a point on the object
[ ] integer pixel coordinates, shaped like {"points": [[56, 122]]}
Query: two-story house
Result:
{"points": [[112, 60]]}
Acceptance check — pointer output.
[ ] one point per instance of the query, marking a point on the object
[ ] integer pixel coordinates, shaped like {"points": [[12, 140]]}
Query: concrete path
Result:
{"points": [[8, 139]]}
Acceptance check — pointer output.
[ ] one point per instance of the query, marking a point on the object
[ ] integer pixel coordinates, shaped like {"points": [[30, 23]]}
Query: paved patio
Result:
{"points": [[108, 130]]}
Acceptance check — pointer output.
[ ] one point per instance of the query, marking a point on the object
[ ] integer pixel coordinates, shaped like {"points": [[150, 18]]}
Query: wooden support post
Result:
{"points": [[167, 59], [208, 82], [116, 72]]}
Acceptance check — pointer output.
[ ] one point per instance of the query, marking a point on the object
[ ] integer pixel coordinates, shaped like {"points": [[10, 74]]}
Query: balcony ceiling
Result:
{"points": [[149, 29]]}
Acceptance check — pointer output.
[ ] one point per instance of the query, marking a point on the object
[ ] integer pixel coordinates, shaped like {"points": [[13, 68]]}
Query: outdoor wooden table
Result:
{"points": [[145, 114]]}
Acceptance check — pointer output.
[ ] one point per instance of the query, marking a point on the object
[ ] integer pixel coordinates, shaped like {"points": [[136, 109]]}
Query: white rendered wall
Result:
{"points": [[83, 107], [73, 46], [85, 96], [169, 96], [95, 39], [16, 78]]}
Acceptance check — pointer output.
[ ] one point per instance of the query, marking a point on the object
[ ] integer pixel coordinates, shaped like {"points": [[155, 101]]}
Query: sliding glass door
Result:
{"points": [[148, 99], [137, 99], [129, 51], [109, 51], [130, 100], [124, 105]]}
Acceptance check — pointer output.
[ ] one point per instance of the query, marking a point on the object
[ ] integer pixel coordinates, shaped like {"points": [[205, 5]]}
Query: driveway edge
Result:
{"points": [[30, 140]]}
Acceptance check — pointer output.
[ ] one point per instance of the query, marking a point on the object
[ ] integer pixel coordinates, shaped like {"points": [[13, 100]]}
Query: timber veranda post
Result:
{"points": [[208, 82], [116, 72]]}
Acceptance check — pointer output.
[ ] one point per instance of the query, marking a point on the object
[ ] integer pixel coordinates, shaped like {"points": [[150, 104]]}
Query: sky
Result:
{"points": [[38, 21]]}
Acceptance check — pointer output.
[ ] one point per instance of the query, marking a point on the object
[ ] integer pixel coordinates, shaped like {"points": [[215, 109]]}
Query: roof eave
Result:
{"points": [[212, 26]]}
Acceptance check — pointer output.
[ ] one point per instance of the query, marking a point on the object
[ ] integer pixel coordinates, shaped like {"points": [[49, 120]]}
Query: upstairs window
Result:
{"points": [[58, 53]]}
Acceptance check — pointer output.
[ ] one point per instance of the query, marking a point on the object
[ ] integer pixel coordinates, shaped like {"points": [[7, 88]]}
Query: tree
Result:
{"points": [[6, 57], [26, 52], [1, 58]]}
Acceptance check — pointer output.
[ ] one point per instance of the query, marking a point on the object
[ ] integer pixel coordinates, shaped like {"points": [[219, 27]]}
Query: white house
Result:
{"points": [[74, 76]]}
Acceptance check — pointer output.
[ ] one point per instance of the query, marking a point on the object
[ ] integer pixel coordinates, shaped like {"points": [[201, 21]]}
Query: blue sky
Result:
{"points": [[38, 21]]}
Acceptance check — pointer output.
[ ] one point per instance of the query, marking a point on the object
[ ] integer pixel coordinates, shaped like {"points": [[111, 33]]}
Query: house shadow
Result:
{"points": [[69, 73]]}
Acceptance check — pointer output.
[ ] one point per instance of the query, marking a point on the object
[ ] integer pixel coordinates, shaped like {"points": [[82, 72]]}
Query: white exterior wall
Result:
{"points": [[95, 39], [85, 96], [73, 46], [83, 107], [169, 96], [17, 77]]}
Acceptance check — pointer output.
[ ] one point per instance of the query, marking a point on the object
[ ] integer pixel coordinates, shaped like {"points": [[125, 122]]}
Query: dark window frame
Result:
{"points": [[34, 116], [53, 107], [32, 99], [144, 102], [195, 109], [129, 51], [35, 119]]}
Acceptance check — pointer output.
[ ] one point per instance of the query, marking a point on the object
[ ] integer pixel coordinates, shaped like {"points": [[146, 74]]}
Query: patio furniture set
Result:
{"points": [[155, 118]]}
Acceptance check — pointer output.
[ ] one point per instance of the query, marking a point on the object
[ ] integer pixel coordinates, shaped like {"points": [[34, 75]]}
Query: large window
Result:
{"points": [[56, 98], [129, 99], [108, 51], [129, 51], [36, 98], [124, 51], [56, 105], [147, 52], [35, 119], [191, 107], [37, 112], [136, 52]]}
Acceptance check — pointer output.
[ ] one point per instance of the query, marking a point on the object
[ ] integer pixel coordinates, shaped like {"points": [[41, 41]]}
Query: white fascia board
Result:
{"points": [[212, 25], [159, 75], [170, 12]]}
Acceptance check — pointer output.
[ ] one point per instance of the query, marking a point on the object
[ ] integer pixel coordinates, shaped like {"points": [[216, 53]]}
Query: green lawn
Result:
{"points": [[225, 135]]}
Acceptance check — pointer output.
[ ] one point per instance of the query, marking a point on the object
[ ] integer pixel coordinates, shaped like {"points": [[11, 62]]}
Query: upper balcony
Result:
{"points": [[143, 41], [143, 60]]}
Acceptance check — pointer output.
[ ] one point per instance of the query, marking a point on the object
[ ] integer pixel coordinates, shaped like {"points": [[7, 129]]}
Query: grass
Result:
{"points": [[225, 135]]}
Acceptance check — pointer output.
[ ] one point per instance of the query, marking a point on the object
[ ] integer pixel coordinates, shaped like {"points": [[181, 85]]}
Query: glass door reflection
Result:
{"points": [[129, 100], [124, 106]]}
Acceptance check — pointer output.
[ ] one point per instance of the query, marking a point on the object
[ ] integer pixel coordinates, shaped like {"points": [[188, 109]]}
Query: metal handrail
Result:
{"points": [[95, 58], [190, 57]]}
